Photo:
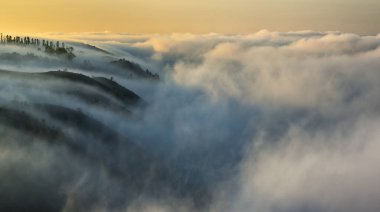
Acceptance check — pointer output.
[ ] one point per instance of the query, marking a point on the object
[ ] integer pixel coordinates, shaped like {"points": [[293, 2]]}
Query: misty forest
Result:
{"points": [[263, 122]]}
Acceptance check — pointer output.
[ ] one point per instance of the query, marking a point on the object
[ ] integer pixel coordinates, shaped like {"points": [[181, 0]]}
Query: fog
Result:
{"points": [[269, 122]]}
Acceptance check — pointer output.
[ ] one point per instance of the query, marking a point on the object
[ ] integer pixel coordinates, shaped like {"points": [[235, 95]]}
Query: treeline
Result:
{"points": [[50, 47], [136, 69]]}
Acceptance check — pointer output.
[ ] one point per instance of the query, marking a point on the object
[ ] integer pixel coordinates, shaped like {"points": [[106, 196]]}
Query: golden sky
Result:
{"points": [[193, 16]]}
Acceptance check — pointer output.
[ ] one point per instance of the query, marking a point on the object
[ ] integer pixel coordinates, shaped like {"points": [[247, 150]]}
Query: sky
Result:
{"points": [[195, 16]]}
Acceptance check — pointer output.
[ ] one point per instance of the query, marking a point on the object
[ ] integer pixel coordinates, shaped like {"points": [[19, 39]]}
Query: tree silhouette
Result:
{"points": [[50, 48]]}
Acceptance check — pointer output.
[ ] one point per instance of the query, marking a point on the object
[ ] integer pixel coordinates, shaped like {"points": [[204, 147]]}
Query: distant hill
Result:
{"points": [[135, 69], [87, 139], [108, 86], [48, 53], [89, 47]]}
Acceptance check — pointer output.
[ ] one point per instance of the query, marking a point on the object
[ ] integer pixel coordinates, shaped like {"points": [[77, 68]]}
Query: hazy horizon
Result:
{"points": [[198, 17]]}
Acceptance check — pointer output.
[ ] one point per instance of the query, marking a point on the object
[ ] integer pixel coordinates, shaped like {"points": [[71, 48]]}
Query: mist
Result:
{"points": [[269, 122]]}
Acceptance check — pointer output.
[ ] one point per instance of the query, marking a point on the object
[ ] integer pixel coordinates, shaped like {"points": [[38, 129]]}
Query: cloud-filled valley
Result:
{"points": [[265, 122]]}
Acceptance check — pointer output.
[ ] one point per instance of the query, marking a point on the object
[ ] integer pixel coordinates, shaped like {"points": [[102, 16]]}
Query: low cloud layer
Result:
{"points": [[320, 172], [269, 122]]}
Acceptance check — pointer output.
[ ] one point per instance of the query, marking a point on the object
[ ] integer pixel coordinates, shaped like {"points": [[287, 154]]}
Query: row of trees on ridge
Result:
{"points": [[50, 47]]}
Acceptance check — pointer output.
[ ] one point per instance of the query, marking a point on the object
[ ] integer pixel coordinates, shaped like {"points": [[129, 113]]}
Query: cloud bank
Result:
{"points": [[272, 121]]}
